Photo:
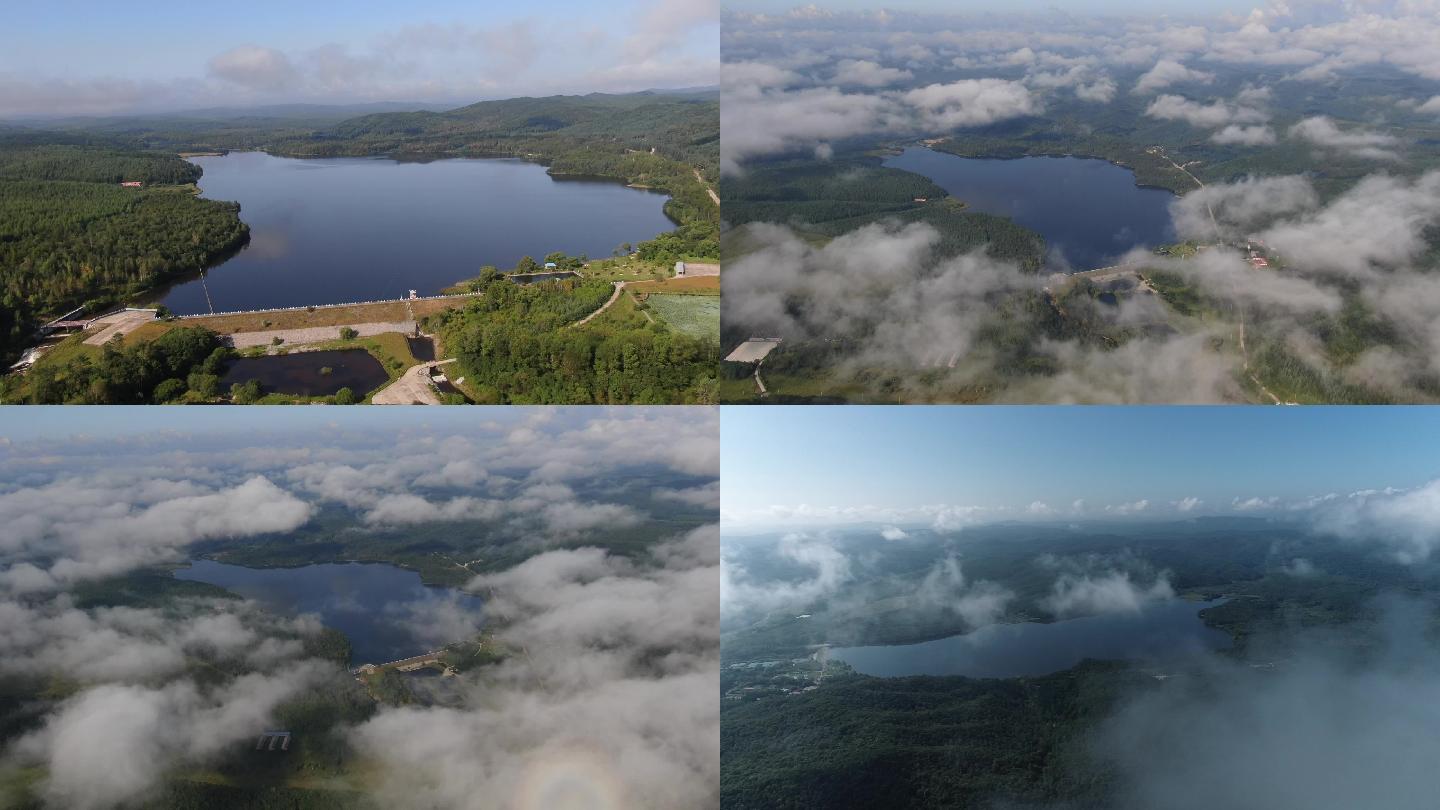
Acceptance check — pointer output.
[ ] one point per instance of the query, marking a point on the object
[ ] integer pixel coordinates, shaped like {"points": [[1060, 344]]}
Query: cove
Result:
{"points": [[1161, 630], [373, 604], [341, 230], [1090, 211]]}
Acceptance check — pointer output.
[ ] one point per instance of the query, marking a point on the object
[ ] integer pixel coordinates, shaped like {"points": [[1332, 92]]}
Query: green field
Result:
{"points": [[695, 315]]}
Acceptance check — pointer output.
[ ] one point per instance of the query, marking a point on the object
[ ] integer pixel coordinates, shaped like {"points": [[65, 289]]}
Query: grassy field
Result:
{"points": [[694, 315], [689, 285]]}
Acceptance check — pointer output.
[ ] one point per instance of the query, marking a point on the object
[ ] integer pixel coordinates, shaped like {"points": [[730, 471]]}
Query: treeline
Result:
{"points": [[682, 128], [183, 364], [515, 345], [91, 164], [70, 235]]}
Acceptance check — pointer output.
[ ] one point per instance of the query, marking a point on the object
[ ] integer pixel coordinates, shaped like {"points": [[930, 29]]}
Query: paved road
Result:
{"points": [[413, 387], [120, 323]]}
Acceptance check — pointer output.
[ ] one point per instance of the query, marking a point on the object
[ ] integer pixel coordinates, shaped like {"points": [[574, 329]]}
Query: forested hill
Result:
{"points": [[685, 128], [71, 235]]}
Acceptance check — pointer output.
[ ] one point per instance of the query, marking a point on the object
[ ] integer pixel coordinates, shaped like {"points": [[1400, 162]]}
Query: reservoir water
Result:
{"points": [[374, 605], [336, 230], [309, 374], [1160, 631], [1089, 211]]}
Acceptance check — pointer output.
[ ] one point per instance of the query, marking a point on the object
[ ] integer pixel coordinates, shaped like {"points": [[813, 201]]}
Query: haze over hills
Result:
{"points": [[943, 615]]}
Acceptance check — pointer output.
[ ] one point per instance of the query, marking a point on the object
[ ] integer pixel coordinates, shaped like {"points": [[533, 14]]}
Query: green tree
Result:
{"points": [[345, 396], [169, 390], [245, 393], [206, 385]]}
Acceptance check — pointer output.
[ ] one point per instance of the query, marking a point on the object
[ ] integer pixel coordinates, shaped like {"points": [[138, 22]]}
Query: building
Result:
{"points": [[132, 184], [679, 268], [270, 739], [1259, 261], [551, 266]]}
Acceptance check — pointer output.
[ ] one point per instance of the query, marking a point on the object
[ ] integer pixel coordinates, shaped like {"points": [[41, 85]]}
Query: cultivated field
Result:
{"points": [[694, 315]]}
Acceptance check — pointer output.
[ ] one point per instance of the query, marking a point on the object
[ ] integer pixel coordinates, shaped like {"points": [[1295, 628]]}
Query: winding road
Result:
{"points": [[615, 296]]}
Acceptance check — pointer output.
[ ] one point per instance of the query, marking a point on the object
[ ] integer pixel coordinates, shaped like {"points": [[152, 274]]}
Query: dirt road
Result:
{"points": [[316, 334], [708, 189], [615, 296]]}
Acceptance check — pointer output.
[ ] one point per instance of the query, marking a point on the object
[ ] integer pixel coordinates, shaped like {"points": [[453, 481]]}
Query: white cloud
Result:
{"points": [[1324, 133], [1113, 592], [863, 73], [1167, 72], [254, 68], [1245, 136]]}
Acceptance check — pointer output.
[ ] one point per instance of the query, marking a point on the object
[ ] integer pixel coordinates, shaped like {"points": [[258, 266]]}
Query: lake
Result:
{"points": [[1089, 211], [1162, 630], [368, 602], [337, 230], [302, 373]]}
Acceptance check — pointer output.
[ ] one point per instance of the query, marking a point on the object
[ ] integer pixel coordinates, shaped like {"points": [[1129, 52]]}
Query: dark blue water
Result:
{"points": [[1163, 630], [301, 373], [337, 230], [1089, 211], [369, 603]]}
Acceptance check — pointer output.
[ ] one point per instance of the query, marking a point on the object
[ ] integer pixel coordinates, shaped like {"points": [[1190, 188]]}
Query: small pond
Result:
{"points": [[306, 374], [423, 348]]}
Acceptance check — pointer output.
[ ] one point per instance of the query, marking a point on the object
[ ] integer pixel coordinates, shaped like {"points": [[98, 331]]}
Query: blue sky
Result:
{"points": [[93, 57], [1005, 459], [1155, 7]]}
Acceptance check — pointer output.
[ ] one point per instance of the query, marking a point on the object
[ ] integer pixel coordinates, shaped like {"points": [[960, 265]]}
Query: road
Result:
{"points": [[316, 334], [120, 323], [708, 189], [412, 388], [615, 296], [1215, 223]]}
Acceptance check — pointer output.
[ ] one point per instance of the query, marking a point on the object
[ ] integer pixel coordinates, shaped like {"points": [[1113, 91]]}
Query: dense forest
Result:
{"points": [[515, 345], [922, 742], [183, 364], [71, 235]]}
